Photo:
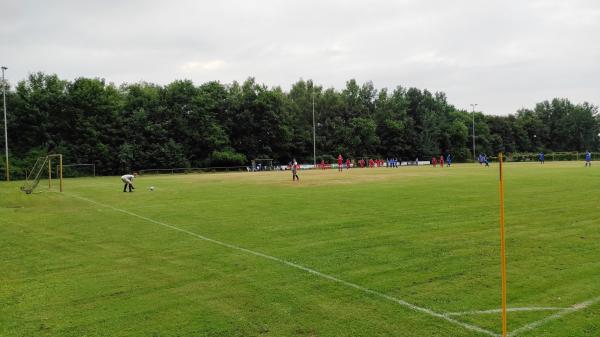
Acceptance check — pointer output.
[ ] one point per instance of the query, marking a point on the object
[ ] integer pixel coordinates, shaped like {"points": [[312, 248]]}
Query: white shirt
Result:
{"points": [[128, 177]]}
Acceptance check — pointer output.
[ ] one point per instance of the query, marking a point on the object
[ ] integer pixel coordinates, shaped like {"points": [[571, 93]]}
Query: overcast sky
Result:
{"points": [[503, 54]]}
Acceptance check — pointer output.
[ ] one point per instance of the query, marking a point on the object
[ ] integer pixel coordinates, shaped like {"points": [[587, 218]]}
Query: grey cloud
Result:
{"points": [[503, 55]]}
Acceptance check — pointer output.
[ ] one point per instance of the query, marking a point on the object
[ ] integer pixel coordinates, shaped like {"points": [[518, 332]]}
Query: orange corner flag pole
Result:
{"points": [[502, 249]]}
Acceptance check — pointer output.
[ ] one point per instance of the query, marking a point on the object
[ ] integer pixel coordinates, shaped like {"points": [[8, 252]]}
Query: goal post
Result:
{"points": [[42, 164], [262, 164]]}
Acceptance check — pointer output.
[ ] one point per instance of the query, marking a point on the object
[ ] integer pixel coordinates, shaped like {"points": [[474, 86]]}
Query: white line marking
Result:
{"points": [[572, 309], [495, 311], [306, 269]]}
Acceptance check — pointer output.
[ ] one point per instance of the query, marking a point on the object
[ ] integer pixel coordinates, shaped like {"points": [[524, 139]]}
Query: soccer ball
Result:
{"points": [[151, 188]]}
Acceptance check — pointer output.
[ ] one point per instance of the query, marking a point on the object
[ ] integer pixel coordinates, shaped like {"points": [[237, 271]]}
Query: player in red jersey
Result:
{"points": [[433, 161], [442, 161], [340, 162], [348, 164]]}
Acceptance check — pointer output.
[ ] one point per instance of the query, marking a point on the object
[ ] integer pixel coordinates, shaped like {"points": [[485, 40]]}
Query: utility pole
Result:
{"points": [[5, 126], [473, 105]]}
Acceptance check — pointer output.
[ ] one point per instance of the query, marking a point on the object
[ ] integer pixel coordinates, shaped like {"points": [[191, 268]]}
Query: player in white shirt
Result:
{"points": [[128, 180]]}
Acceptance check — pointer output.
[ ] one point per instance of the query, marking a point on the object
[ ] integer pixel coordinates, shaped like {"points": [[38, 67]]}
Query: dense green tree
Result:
{"points": [[143, 125], [93, 110], [37, 115]]}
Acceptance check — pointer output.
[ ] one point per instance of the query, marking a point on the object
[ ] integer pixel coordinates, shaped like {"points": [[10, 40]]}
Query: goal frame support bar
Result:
{"points": [[59, 170]]}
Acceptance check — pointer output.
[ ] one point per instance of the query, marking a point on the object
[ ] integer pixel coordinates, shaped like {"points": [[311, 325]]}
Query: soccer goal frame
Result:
{"points": [[35, 175], [266, 164], [93, 166]]}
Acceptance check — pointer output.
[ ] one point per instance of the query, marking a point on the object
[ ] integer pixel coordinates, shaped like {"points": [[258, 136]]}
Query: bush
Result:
{"points": [[461, 155], [227, 158]]}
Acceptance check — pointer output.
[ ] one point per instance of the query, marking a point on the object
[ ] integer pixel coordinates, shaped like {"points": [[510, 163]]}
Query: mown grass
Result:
{"points": [[70, 267]]}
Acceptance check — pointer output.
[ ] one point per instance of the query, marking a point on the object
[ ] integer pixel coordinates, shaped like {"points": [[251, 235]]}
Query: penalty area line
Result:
{"points": [[401, 302]]}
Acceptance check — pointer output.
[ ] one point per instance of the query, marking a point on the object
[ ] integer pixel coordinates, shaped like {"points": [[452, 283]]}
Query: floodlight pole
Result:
{"points": [[473, 105], [314, 129], [5, 127]]}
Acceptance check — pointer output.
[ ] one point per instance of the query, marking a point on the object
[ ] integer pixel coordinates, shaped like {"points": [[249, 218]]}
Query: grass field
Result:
{"points": [[369, 252]]}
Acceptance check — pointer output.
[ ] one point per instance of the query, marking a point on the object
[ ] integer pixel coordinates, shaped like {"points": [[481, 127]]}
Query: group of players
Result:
{"points": [[390, 162], [361, 163], [483, 159], [393, 162], [434, 160]]}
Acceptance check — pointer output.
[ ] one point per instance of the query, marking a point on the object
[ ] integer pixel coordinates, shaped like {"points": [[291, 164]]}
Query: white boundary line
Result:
{"points": [[495, 311], [572, 309], [306, 269]]}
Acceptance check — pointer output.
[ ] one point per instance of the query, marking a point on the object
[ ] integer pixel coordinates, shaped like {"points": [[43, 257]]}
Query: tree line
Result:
{"points": [[144, 125]]}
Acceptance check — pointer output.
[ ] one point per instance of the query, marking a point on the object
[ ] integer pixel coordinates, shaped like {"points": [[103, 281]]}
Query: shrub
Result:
{"points": [[227, 158]]}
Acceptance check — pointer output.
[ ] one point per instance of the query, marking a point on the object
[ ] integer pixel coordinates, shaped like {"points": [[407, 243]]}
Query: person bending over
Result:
{"points": [[128, 180]]}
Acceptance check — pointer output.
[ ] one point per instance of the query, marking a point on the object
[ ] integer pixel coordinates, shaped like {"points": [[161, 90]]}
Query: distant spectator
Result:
{"points": [[295, 170]]}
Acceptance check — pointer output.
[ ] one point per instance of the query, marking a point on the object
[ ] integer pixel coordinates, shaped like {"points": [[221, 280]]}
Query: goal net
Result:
{"points": [[262, 164], [42, 170]]}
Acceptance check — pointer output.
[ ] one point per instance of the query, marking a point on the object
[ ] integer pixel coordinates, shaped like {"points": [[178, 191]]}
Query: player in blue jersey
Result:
{"points": [[485, 160], [588, 158], [541, 157]]}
